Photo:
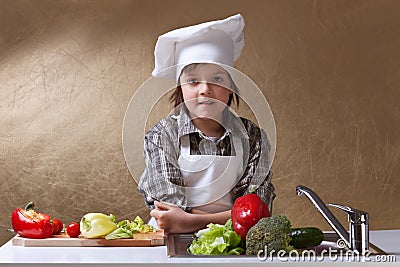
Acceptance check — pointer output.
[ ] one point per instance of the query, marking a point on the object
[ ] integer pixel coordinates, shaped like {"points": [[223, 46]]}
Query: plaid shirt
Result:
{"points": [[162, 149]]}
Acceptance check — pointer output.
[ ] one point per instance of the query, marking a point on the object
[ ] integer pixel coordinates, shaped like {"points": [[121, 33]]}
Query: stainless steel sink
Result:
{"points": [[333, 242], [177, 245]]}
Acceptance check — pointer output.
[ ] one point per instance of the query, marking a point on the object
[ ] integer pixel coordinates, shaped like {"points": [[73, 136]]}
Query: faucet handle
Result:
{"points": [[359, 228], [354, 215]]}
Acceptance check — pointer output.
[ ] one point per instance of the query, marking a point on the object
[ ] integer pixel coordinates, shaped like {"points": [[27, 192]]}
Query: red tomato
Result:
{"points": [[73, 229], [57, 226]]}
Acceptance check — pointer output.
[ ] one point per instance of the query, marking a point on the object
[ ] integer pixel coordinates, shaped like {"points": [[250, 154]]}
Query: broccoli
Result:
{"points": [[271, 233]]}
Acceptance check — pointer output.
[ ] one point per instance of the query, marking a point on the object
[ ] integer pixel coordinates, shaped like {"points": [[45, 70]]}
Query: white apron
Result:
{"points": [[209, 178]]}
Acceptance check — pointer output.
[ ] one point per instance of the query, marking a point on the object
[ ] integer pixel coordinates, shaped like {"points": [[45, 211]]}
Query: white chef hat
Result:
{"points": [[218, 42]]}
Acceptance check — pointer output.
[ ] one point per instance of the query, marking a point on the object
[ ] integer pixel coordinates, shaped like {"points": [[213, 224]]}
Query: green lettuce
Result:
{"points": [[126, 229], [217, 239]]}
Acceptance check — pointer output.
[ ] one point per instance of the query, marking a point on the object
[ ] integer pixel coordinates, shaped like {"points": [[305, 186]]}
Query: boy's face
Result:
{"points": [[206, 90]]}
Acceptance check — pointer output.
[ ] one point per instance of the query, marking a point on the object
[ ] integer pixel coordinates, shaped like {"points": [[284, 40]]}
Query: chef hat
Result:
{"points": [[219, 42]]}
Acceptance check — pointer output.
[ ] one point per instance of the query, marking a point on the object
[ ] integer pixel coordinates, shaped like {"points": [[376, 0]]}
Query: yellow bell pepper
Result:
{"points": [[97, 225]]}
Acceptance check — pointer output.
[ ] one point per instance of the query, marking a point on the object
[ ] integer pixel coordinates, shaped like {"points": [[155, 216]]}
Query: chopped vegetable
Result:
{"points": [[138, 226], [217, 239], [97, 225], [31, 224], [127, 228], [246, 212], [272, 233]]}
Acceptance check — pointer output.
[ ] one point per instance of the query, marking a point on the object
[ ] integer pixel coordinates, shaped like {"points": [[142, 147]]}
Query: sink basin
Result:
{"points": [[177, 245], [333, 242]]}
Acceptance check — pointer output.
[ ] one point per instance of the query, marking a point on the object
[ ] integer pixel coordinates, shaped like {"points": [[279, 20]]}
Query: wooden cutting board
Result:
{"points": [[138, 240]]}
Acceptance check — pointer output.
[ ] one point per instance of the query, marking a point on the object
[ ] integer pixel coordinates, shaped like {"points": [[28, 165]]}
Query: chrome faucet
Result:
{"points": [[358, 239]]}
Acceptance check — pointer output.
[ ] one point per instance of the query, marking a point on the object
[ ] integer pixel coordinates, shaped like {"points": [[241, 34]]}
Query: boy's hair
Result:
{"points": [[177, 96]]}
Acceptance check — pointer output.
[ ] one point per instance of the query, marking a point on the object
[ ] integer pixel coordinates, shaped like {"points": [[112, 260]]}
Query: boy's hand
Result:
{"points": [[171, 218]]}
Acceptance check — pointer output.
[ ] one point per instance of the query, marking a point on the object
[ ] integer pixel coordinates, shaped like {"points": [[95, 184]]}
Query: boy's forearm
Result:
{"points": [[200, 219]]}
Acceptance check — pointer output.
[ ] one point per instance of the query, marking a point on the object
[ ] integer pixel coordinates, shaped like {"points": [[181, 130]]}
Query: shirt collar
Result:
{"points": [[185, 124], [232, 123]]}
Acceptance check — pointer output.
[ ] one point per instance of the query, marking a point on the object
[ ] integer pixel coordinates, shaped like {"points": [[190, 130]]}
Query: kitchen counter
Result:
{"points": [[387, 240]]}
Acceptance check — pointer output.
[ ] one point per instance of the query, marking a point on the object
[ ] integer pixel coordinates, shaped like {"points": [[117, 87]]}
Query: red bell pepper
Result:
{"points": [[246, 212], [28, 223]]}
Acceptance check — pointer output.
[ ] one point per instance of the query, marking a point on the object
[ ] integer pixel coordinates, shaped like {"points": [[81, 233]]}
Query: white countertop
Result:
{"points": [[387, 240]]}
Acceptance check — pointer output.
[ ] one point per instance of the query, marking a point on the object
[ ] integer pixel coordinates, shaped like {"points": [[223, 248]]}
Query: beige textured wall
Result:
{"points": [[329, 69]]}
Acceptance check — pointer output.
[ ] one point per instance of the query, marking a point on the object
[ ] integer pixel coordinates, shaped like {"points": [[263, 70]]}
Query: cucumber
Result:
{"points": [[306, 237]]}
